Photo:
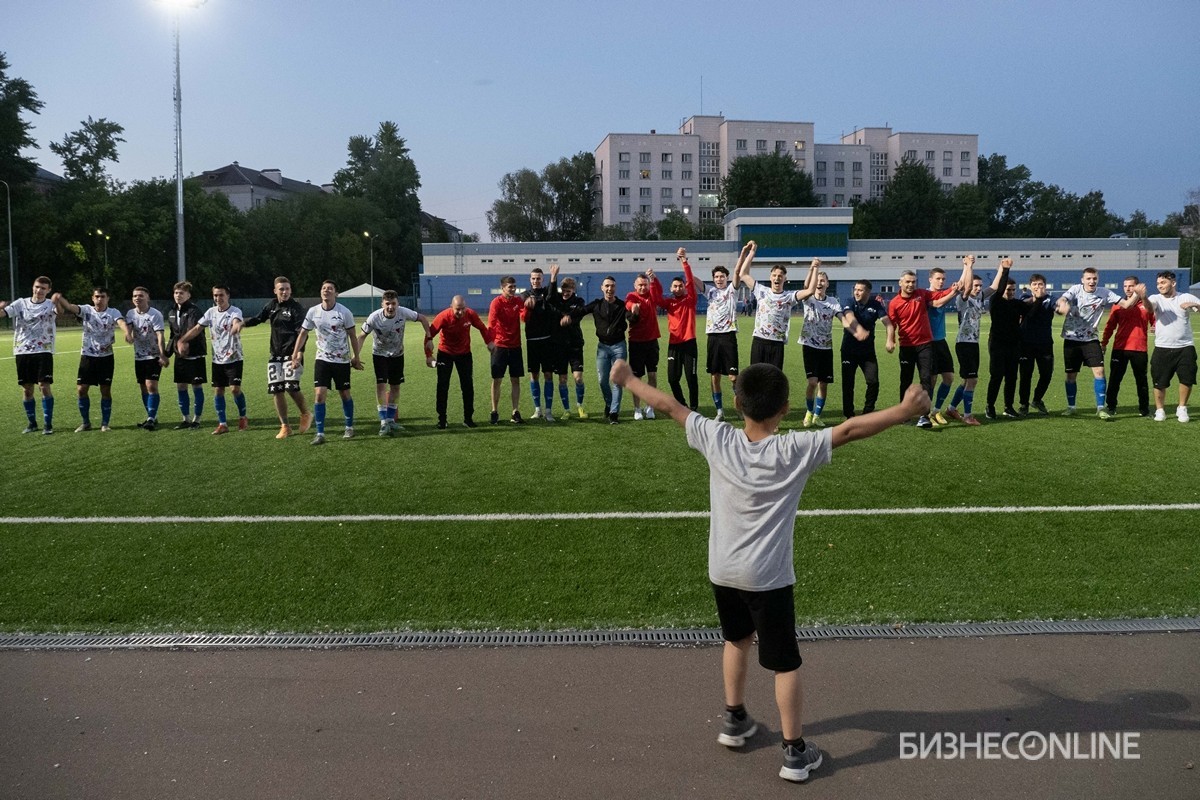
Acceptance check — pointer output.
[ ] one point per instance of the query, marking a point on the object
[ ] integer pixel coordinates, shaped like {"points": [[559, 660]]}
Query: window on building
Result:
{"points": [[966, 172], [856, 198], [857, 166], [623, 208], [760, 144], [666, 157], [799, 144], [965, 155], [645, 174], [857, 181], [820, 180], [644, 191], [911, 155], [741, 144], [708, 183], [668, 175], [644, 158], [839, 166], [685, 174], [947, 155], [622, 191], [822, 200], [820, 166], [622, 174], [666, 209], [780, 145], [623, 157], [929, 154], [666, 192], [644, 208], [947, 172], [839, 199], [839, 181], [685, 158], [686, 192]]}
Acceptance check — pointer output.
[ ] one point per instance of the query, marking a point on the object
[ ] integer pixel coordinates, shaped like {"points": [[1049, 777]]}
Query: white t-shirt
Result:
{"points": [[1080, 324], [99, 330], [721, 316], [970, 311], [33, 325], [388, 333], [1172, 324], [754, 489], [145, 341], [773, 317], [818, 321], [226, 345], [334, 328]]}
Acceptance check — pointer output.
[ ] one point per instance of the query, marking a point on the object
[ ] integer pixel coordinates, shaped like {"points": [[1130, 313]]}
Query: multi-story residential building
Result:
{"points": [[953, 158], [250, 188]]}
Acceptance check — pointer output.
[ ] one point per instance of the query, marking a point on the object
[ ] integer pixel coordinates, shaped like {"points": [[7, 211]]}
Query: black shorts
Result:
{"points": [[1168, 362], [147, 370], [942, 362], [389, 369], [765, 351], [571, 358], [643, 357], [227, 374], [190, 370], [282, 376], [968, 359], [541, 355], [723, 354], [95, 371], [772, 614], [818, 364], [1076, 354], [507, 359], [35, 368], [331, 375]]}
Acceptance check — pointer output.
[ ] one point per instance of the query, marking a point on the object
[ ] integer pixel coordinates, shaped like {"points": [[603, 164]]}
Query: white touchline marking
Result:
{"points": [[596, 515]]}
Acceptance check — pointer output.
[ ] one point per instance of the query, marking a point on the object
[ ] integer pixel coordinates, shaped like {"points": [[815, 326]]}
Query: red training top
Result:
{"points": [[645, 327], [456, 331], [911, 317], [504, 320], [1130, 325], [681, 311]]}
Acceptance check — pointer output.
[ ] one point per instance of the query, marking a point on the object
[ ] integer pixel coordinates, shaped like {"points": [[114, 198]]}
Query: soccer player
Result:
{"points": [[1129, 348], [969, 304], [817, 339], [541, 323], [189, 369], [225, 320], [773, 309], [1004, 342], [611, 318], [943, 362], [35, 321], [755, 482], [387, 354], [504, 324], [1037, 344], [644, 334], [1081, 307], [860, 354], [720, 324], [144, 330], [1174, 346], [337, 353], [283, 377], [909, 312], [96, 358], [454, 352], [682, 353], [565, 301]]}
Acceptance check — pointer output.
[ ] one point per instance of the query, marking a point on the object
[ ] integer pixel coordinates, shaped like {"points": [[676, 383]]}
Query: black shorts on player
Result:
{"points": [[1076, 354], [388, 369], [770, 614], [95, 371], [227, 374], [643, 357], [722, 358], [818, 364], [766, 351], [35, 368], [968, 359], [507, 360], [541, 355], [331, 375], [149, 369], [942, 361], [190, 370]]}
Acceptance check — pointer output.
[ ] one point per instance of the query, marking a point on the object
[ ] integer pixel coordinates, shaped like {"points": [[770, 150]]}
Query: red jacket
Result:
{"points": [[681, 311], [504, 320], [911, 317], [456, 331], [645, 328], [1130, 325]]}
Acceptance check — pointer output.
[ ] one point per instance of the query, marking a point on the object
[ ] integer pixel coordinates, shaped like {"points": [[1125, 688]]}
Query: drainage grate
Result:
{"points": [[684, 637]]}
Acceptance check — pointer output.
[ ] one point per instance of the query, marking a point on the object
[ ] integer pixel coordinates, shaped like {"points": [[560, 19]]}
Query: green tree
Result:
{"points": [[611, 233], [675, 226], [966, 213], [17, 98], [520, 215], [554, 205], [644, 228], [85, 152], [766, 179], [1008, 193], [913, 205]]}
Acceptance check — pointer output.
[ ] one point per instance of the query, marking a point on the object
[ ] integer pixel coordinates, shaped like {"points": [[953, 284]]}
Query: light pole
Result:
{"points": [[182, 269], [12, 270], [106, 238], [371, 246]]}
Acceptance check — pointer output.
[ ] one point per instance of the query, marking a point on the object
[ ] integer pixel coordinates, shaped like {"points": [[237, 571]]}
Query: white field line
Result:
{"points": [[598, 515]]}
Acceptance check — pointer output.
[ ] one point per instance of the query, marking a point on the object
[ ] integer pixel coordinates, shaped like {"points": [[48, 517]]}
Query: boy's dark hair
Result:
{"points": [[100, 290], [390, 294], [1037, 276], [508, 280], [1166, 273], [280, 279], [678, 278], [330, 282], [538, 270], [863, 282], [719, 268], [763, 391], [937, 271], [223, 287], [184, 285], [1133, 278], [1091, 271], [568, 283], [42, 279]]}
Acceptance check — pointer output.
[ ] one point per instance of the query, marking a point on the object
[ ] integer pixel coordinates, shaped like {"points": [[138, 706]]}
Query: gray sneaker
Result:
{"points": [[735, 732], [798, 763], [318, 439]]}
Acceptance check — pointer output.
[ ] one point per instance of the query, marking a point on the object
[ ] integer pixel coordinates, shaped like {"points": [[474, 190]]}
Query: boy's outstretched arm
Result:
{"points": [[914, 404], [623, 376]]}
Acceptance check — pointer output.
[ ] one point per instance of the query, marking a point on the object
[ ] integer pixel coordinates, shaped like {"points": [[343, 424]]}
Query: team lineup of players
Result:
{"points": [[1021, 339]]}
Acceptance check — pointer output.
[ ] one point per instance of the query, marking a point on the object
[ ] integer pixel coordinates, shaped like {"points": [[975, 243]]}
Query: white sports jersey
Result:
{"points": [[970, 311], [1081, 322], [226, 345], [33, 325], [818, 322], [334, 328], [721, 316], [388, 333], [99, 330], [773, 317], [145, 342], [1172, 325]]}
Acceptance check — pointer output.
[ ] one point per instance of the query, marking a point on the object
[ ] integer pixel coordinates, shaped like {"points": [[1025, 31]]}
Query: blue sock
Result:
{"points": [[219, 405], [1072, 390], [565, 396], [942, 392], [152, 400], [808, 403], [348, 411], [145, 400], [197, 401], [968, 399], [717, 401], [319, 416], [48, 411], [1101, 386], [30, 410], [535, 390], [383, 413], [548, 394], [185, 407], [239, 400], [391, 412], [85, 409], [105, 410], [579, 393], [818, 406], [958, 396]]}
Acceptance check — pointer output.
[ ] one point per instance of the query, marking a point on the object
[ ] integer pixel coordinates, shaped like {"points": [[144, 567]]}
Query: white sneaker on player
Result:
{"points": [[637, 412], [537, 412], [549, 416], [720, 415], [649, 412], [1181, 414]]}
